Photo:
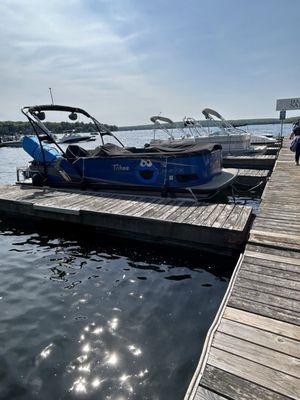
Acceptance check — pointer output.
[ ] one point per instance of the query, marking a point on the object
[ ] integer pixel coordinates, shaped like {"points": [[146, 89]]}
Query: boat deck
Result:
{"points": [[252, 350], [215, 227]]}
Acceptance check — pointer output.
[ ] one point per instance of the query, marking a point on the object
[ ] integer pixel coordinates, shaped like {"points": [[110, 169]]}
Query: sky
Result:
{"points": [[126, 60]]}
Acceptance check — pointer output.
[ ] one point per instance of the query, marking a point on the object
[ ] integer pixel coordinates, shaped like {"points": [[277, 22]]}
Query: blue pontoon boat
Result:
{"points": [[177, 169]]}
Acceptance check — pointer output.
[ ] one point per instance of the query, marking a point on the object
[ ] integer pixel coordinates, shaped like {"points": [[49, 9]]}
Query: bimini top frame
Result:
{"points": [[36, 114], [221, 122]]}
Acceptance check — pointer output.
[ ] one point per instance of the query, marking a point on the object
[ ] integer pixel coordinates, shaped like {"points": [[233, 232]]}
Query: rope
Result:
{"points": [[249, 189]]}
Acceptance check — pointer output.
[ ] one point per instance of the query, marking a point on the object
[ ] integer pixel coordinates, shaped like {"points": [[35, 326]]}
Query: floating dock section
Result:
{"points": [[213, 227], [252, 350], [252, 176], [258, 161]]}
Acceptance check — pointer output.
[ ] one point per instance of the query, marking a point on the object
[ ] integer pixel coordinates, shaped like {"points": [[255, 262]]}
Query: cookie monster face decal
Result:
{"points": [[147, 172]]}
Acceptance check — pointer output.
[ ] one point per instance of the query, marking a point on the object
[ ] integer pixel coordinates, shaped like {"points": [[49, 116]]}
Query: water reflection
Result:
{"points": [[100, 320], [46, 351]]}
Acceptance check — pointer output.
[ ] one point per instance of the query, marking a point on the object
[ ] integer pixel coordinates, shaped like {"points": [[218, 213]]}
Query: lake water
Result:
{"points": [[98, 317]]}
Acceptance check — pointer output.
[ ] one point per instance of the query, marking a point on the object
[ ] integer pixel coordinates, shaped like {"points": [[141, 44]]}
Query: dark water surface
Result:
{"points": [[101, 319]]}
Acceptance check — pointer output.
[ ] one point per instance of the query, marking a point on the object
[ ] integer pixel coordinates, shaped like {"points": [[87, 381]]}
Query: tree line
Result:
{"points": [[12, 128]]}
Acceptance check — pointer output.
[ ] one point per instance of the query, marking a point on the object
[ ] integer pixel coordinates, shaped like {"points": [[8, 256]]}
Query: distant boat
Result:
{"points": [[179, 169], [10, 141], [233, 143], [73, 137]]}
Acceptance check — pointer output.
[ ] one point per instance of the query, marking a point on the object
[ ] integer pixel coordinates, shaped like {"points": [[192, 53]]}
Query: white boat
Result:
{"points": [[223, 127], [73, 137], [233, 143]]}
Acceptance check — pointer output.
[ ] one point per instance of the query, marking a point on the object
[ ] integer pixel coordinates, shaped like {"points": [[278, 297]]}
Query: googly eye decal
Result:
{"points": [[143, 163], [148, 163]]}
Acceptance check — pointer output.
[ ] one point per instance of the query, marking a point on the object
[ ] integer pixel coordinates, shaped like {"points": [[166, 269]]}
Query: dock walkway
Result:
{"points": [[252, 350], [215, 227]]}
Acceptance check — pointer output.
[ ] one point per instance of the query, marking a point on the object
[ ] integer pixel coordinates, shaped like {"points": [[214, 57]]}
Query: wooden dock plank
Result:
{"points": [[256, 373], [222, 217], [267, 310], [204, 394], [261, 337], [236, 388], [267, 324], [257, 353], [205, 214], [267, 298], [176, 214], [271, 258], [233, 218], [262, 278], [269, 288]]}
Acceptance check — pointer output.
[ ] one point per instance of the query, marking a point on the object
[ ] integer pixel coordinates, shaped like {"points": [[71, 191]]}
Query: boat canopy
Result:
{"points": [[159, 118], [208, 112], [56, 107]]}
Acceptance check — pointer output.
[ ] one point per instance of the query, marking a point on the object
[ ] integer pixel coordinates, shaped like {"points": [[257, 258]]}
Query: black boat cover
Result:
{"points": [[184, 148], [111, 150]]}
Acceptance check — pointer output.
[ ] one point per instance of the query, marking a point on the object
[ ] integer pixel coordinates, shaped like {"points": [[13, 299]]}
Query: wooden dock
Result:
{"points": [[252, 176], [257, 161], [252, 350], [219, 228]]}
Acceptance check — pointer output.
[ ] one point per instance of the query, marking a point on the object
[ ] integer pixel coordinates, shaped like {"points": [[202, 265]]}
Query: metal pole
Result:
{"points": [[50, 90]]}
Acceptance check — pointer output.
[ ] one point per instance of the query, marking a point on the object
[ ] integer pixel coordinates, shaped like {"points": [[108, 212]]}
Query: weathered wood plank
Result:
{"points": [[205, 214], [267, 310], [184, 217], [249, 370], [272, 251], [171, 210], [204, 394], [266, 298], [270, 280], [223, 216], [284, 272], [233, 218], [258, 354], [260, 337], [273, 258], [147, 210], [236, 388], [282, 237], [267, 324], [267, 288], [174, 216], [242, 219], [210, 219]]}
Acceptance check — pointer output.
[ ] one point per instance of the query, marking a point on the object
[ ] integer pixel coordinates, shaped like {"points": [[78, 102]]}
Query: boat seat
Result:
{"points": [[109, 149], [74, 151]]}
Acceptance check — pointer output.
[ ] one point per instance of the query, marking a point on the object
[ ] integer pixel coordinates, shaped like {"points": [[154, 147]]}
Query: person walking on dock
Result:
{"points": [[295, 145]]}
